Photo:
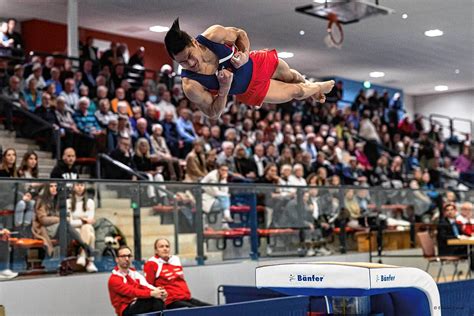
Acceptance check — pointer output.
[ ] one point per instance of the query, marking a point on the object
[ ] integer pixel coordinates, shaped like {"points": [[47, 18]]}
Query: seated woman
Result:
{"points": [[163, 154], [352, 205], [144, 164], [46, 222], [81, 211], [217, 198]]}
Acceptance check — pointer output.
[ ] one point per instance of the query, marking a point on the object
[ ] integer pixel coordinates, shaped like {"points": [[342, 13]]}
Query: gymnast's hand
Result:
{"points": [[225, 78], [239, 59]]}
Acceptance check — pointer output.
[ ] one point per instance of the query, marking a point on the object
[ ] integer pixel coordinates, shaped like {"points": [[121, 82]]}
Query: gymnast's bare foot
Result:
{"points": [[325, 87]]}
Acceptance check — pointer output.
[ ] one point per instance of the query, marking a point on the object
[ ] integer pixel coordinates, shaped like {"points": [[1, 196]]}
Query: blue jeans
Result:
{"points": [[221, 203]]}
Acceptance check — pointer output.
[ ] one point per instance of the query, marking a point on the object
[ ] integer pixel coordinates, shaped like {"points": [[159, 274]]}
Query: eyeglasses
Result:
{"points": [[126, 256]]}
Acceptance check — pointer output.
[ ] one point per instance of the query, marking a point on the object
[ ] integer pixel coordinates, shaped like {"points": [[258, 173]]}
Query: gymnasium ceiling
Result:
{"points": [[396, 46]]}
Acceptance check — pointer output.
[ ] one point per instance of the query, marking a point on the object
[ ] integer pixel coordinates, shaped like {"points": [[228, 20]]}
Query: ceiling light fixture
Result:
{"points": [[377, 74], [159, 28], [441, 88], [457, 71], [285, 54], [434, 33], [301, 32], [367, 84], [404, 16]]}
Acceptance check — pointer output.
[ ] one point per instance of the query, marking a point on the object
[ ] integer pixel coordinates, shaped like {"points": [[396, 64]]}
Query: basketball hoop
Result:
{"points": [[334, 29]]}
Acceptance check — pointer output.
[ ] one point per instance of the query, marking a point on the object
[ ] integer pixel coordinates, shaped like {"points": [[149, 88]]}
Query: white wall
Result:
{"points": [[88, 294], [409, 105], [453, 104]]}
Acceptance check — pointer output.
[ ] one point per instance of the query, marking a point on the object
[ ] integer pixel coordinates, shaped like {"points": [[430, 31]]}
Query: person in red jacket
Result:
{"points": [[129, 292], [165, 270]]}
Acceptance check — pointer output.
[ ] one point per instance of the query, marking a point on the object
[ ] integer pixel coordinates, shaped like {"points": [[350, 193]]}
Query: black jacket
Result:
{"points": [[445, 232], [62, 171]]}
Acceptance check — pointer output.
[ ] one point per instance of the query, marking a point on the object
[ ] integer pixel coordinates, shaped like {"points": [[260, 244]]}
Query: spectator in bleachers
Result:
{"points": [[464, 163], [139, 100], [77, 81], [118, 75], [352, 205], [130, 293], [120, 97], [352, 174], [137, 114], [65, 169], [122, 154], [17, 40], [165, 270], [37, 74], [66, 72], [8, 167], [32, 96], [124, 128], [151, 116], [112, 134], [84, 92], [46, 221], [90, 52], [66, 123], [143, 163], [88, 76], [48, 65], [211, 160], [196, 162], [163, 154], [244, 166], [46, 112], [70, 95], [226, 155], [18, 71], [13, 94], [165, 106], [103, 114], [217, 198], [141, 132], [86, 122], [259, 159], [421, 201], [81, 213], [215, 140], [369, 133]]}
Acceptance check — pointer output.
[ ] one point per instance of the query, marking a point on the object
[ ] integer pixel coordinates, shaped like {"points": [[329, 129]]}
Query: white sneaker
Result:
{"points": [[91, 268], [269, 251], [310, 252], [81, 260], [228, 219], [225, 226], [324, 251], [7, 274]]}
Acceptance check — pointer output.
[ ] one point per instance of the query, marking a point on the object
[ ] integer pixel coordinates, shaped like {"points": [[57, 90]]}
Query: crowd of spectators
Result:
{"points": [[147, 123]]}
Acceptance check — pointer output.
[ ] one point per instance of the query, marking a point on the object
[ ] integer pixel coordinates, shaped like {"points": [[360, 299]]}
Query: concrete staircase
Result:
{"points": [[22, 145], [119, 212]]}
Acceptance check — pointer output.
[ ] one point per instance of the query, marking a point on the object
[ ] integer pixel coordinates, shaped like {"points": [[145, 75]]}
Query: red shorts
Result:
{"points": [[265, 63]]}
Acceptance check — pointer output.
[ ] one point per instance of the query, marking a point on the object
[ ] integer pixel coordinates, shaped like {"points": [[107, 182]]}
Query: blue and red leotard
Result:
{"points": [[251, 81]]}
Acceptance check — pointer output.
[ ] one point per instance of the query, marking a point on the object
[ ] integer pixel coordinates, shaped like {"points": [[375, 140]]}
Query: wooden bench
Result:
{"points": [[392, 240]]}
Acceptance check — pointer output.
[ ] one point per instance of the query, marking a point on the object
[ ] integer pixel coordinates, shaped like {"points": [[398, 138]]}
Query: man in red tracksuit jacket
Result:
{"points": [[129, 292], [164, 270]]}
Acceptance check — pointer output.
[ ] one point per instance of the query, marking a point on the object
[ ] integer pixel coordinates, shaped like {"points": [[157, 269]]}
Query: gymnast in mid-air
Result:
{"points": [[219, 63]]}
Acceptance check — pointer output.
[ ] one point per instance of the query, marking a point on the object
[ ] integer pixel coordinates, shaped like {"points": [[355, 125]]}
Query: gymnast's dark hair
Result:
{"points": [[176, 40]]}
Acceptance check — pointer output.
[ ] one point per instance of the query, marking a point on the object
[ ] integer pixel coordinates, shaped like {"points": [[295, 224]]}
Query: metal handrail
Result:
{"points": [[44, 125]]}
